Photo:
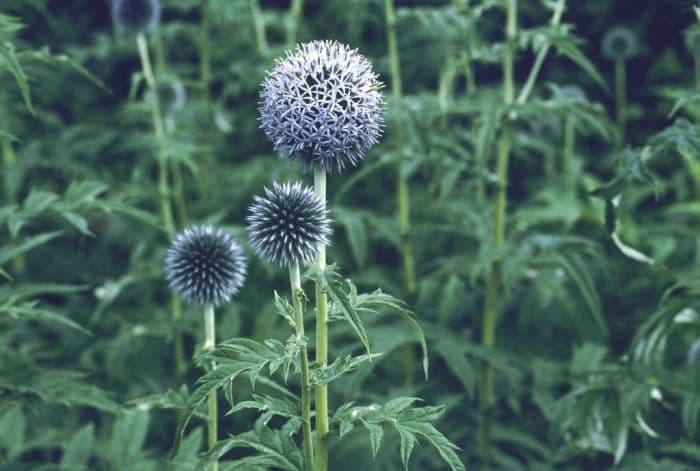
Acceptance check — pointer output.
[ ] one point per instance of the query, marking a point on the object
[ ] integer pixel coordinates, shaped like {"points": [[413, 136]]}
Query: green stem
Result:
{"points": [[568, 154], [259, 26], [297, 293], [321, 341], [696, 60], [163, 186], [205, 79], [294, 15], [463, 8], [620, 102], [209, 344], [180, 363], [490, 313], [19, 262], [402, 187]]}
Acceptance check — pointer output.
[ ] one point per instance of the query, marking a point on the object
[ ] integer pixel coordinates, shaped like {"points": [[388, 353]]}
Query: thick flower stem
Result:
{"points": [[209, 344], [321, 341], [620, 102], [295, 282], [490, 313], [402, 189], [163, 186], [294, 15]]}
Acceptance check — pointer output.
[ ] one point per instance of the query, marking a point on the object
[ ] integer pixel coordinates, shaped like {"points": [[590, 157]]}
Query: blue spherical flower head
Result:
{"points": [[322, 104], [136, 16], [205, 265], [620, 43], [287, 224]]}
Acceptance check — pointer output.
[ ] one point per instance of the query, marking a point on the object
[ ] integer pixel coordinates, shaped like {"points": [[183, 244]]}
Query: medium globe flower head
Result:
{"points": [[287, 224], [322, 104], [620, 43], [205, 265], [136, 16], [171, 97]]}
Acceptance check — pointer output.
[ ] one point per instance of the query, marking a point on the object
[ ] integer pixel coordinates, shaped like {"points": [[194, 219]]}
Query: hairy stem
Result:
{"points": [[293, 17], [321, 341], [209, 344], [490, 313], [620, 102], [295, 282], [259, 26]]}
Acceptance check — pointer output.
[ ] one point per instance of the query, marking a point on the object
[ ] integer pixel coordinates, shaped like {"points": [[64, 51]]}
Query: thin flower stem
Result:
{"points": [[8, 160], [321, 341], [568, 154], [209, 344], [620, 102], [295, 282], [402, 188], [259, 26], [205, 80], [494, 276], [180, 363], [294, 15], [163, 186]]}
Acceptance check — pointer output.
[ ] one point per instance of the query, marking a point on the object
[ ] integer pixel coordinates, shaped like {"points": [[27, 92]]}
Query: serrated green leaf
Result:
{"points": [[29, 243], [79, 449], [7, 51]]}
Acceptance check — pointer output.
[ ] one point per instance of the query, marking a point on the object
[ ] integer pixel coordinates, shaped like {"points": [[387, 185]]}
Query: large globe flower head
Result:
{"points": [[322, 104], [136, 16], [205, 265], [620, 43], [287, 224]]}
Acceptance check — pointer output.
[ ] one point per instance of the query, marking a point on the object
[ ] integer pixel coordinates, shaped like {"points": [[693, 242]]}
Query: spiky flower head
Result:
{"points": [[620, 43], [205, 265], [136, 16], [322, 104], [287, 224], [171, 96]]}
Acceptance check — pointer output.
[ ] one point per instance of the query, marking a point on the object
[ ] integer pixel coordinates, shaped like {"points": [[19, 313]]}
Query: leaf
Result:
{"points": [[79, 449], [631, 252], [341, 365], [332, 284], [409, 421], [233, 358], [356, 232], [7, 51], [28, 310], [376, 301], [29, 243]]}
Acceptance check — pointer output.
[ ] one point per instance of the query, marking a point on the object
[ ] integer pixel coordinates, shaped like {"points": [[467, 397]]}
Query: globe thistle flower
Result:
{"points": [[322, 104], [171, 97], [136, 16], [620, 43], [287, 224], [205, 265]]}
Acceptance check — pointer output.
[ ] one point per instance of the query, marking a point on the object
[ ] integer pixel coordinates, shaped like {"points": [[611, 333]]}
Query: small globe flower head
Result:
{"points": [[322, 104], [205, 265], [287, 224], [136, 16], [620, 43], [171, 97], [692, 40]]}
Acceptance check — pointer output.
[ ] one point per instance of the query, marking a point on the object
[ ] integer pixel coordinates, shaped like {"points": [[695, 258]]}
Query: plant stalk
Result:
{"points": [[620, 102], [259, 26], [321, 340], [205, 79], [696, 60], [402, 187], [297, 293], [568, 154], [293, 17], [19, 262], [209, 344], [494, 275]]}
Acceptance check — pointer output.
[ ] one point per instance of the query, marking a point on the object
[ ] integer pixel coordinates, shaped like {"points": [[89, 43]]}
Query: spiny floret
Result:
{"points": [[205, 265], [136, 16], [287, 224], [322, 104], [620, 43]]}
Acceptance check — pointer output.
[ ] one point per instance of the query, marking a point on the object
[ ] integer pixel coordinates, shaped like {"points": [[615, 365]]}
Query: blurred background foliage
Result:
{"points": [[601, 290]]}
